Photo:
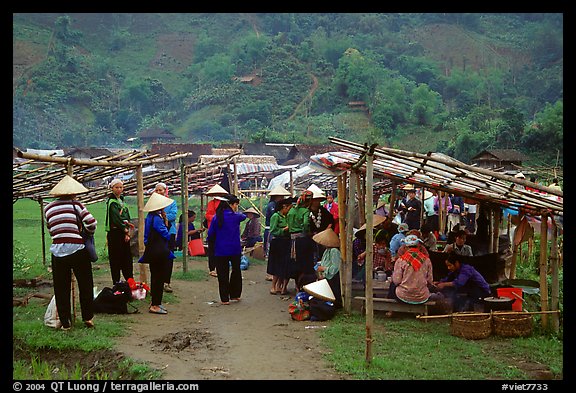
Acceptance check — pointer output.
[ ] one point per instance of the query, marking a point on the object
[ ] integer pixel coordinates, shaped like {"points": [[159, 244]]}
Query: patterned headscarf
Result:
{"points": [[305, 197]]}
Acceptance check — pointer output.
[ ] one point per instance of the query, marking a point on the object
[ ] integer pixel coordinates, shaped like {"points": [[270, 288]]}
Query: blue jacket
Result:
{"points": [[396, 242], [226, 237], [171, 212], [467, 279]]}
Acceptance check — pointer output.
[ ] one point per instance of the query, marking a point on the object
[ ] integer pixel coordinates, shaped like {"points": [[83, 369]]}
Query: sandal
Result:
{"points": [[225, 303], [89, 324], [236, 299], [158, 311]]}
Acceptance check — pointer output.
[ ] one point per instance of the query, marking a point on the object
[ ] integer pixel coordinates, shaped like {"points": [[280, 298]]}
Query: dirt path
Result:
{"points": [[254, 339]]}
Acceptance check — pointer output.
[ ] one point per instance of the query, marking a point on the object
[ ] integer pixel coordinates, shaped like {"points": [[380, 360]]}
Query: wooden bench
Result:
{"points": [[384, 304]]}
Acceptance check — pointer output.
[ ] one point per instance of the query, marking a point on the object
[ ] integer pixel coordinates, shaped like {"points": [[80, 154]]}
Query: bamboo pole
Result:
{"points": [[350, 211], [361, 197], [544, 268], [369, 254], [345, 262], [141, 219], [441, 212], [42, 225], [392, 201], [555, 293], [184, 214], [496, 233], [487, 313], [512, 274]]}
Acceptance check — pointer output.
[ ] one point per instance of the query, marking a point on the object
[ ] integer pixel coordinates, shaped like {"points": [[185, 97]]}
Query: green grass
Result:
{"points": [[409, 349]]}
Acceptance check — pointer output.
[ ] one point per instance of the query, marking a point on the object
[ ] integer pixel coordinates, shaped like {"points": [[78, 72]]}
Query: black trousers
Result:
{"points": [[157, 279], [229, 284], [62, 268], [211, 257], [120, 256]]}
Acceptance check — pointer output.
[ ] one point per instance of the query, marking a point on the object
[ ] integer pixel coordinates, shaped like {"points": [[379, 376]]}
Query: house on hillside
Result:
{"points": [[197, 150], [88, 153], [155, 135], [282, 151], [499, 159], [304, 152]]}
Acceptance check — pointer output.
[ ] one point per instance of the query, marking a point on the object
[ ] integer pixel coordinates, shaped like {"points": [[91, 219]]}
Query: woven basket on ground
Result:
{"points": [[512, 325], [472, 327]]}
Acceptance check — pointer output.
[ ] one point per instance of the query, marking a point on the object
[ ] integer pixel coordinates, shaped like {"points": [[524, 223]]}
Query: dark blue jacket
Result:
{"points": [[226, 237]]}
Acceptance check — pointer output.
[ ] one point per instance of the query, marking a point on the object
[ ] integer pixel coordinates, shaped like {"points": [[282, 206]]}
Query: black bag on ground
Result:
{"points": [[113, 300], [321, 310]]}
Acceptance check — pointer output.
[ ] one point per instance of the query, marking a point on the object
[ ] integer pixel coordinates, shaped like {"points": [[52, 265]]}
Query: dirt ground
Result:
{"points": [[253, 339]]}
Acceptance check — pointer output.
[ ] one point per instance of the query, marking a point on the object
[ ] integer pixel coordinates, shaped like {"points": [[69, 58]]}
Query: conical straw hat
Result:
{"points": [[157, 202], [279, 190], [68, 186], [320, 289], [327, 238], [217, 190], [252, 210], [316, 191], [427, 194], [376, 220]]}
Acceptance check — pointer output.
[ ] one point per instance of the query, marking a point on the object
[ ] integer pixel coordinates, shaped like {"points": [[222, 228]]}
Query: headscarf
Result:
{"points": [[114, 182], [304, 198], [163, 185], [413, 255]]}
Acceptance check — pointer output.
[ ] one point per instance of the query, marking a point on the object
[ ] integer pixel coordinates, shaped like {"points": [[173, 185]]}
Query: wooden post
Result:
{"points": [[490, 229], [291, 184], [234, 190], [544, 269], [555, 301], [369, 254], [512, 274], [345, 262], [42, 225], [184, 223], [441, 212], [350, 211], [392, 202], [141, 219], [361, 196], [496, 233]]}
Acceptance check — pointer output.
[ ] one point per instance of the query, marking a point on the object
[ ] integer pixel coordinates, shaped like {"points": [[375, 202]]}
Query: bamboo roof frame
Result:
{"points": [[443, 173]]}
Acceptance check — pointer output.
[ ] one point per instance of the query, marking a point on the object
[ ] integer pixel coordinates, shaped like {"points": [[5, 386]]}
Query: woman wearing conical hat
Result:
{"points": [[63, 217], [216, 192], [329, 266], [157, 252]]}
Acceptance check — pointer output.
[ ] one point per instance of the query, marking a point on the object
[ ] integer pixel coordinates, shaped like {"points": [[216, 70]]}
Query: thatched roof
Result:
{"points": [[510, 155]]}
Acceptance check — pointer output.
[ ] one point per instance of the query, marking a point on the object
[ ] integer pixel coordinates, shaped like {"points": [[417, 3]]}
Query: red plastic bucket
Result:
{"points": [[512, 293]]}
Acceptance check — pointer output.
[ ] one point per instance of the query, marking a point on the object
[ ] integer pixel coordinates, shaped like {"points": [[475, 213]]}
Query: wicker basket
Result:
{"points": [[512, 325], [472, 327]]}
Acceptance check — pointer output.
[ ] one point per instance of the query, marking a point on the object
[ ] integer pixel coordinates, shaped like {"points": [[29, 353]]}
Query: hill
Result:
{"points": [[99, 79]]}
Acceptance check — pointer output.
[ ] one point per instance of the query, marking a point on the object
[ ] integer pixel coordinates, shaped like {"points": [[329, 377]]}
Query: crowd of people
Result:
{"points": [[301, 243]]}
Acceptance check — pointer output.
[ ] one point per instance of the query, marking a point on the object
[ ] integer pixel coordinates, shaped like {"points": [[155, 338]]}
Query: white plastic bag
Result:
{"points": [[139, 294], [398, 219], [51, 318]]}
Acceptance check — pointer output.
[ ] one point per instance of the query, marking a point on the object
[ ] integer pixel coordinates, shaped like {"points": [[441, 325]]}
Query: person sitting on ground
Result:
{"points": [[396, 240], [381, 257], [193, 233], [251, 234], [459, 246], [464, 285], [329, 266], [412, 275], [428, 239]]}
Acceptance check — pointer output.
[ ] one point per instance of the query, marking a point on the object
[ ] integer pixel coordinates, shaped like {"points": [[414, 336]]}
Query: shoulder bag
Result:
{"points": [[89, 244]]}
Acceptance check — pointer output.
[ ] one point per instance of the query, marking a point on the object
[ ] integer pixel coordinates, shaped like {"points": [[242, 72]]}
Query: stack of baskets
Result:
{"points": [[512, 325], [472, 327]]}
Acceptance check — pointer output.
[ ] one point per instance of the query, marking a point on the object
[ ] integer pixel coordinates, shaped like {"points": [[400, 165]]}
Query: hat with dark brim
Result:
{"points": [[317, 192], [157, 202], [320, 289], [327, 238], [376, 220], [252, 210], [68, 186], [279, 190], [217, 190]]}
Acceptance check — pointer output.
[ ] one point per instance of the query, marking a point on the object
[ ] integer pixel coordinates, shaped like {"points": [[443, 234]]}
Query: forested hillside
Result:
{"points": [[454, 83]]}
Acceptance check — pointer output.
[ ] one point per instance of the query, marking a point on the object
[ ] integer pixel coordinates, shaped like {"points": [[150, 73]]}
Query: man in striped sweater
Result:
{"points": [[64, 216]]}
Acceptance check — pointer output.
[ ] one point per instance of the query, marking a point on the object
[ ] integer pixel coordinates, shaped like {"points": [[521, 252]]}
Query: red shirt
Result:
{"points": [[211, 211]]}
